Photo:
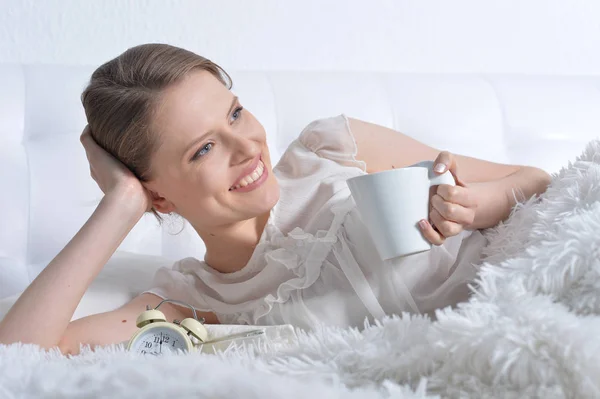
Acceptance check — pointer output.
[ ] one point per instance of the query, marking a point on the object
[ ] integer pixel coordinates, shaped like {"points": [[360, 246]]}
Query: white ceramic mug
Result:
{"points": [[391, 204]]}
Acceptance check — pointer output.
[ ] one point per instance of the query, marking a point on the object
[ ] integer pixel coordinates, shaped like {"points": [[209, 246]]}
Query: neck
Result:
{"points": [[228, 249]]}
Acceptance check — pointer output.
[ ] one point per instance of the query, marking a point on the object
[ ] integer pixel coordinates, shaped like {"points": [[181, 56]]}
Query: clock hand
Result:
{"points": [[160, 344]]}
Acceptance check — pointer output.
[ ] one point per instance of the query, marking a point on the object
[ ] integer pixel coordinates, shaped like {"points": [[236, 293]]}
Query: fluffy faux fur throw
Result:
{"points": [[531, 329]]}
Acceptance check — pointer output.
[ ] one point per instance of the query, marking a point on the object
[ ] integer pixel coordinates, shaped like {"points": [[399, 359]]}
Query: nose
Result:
{"points": [[243, 150]]}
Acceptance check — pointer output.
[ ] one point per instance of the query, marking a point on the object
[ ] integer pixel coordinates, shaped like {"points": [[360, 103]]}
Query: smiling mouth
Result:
{"points": [[251, 177]]}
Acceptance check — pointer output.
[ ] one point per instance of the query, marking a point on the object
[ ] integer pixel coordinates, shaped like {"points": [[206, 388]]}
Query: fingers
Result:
{"points": [[453, 212], [447, 161], [93, 151], [86, 140], [443, 162], [430, 234], [85, 133], [452, 207], [456, 195], [445, 227]]}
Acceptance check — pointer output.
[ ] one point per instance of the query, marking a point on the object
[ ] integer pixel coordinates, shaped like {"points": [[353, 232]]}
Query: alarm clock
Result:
{"points": [[157, 336]]}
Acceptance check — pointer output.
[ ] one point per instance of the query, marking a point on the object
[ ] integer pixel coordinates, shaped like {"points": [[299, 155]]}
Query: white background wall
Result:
{"points": [[507, 36]]}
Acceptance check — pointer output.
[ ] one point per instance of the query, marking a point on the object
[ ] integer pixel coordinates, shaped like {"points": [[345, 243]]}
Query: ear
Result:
{"points": [[160, 203]]}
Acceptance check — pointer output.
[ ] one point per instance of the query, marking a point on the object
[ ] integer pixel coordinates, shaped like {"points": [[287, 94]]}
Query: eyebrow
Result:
{"points": [[201, 138]]}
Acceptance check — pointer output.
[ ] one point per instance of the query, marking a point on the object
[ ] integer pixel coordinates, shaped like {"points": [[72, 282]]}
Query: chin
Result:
{"points": [[260, 204], [269, 195]]}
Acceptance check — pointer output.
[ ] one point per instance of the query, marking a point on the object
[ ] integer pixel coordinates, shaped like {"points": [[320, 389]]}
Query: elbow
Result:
{"points": [[543, 178], [67, 347], [63, 347], [537, 180], [9, 336]]}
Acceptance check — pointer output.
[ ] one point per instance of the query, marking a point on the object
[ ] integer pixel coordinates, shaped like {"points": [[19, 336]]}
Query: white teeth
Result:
{"points": [[252, 177]]}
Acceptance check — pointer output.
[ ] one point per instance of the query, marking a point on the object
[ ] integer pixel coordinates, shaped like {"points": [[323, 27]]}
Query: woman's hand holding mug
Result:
{"points": [[452, 208]]}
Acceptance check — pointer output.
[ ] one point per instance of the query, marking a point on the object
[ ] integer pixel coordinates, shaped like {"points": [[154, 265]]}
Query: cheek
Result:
{"points": [[260, 135], [201, 186], [207, 182], [257, 129]]}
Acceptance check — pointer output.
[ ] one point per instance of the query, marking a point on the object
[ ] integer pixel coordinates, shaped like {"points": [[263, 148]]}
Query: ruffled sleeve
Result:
{"points": [[179, 282], [331, 138]]}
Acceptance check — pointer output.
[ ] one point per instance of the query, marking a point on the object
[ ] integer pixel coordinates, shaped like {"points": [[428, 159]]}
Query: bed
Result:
{"points": [[529, 329]]}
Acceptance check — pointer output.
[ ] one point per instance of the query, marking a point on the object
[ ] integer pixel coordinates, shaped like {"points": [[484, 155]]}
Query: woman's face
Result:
{"points": [[212, 165]]}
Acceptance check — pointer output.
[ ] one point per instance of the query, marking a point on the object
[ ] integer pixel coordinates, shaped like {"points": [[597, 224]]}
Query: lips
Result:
{"points": [[249, 169]]}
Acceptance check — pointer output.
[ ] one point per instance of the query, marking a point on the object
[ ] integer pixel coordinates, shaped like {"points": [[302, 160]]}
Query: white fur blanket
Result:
{"points": [[531, 329]]}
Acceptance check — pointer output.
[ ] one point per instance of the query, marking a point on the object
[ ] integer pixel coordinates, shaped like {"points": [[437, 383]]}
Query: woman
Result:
{"points": [[283, 244]]}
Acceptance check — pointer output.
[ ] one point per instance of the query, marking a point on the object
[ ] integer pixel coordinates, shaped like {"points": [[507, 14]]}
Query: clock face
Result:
{"points": [[159, 340]]}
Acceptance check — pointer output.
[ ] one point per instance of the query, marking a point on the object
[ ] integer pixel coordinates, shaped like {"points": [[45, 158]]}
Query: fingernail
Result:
{"points": [[423, 224], [440, 167]]}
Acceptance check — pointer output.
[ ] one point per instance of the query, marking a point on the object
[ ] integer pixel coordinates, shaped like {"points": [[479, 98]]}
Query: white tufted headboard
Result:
{"points": [[47, 193]]}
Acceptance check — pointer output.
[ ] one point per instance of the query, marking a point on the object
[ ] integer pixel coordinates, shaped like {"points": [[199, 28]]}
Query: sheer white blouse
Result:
{"points": [[315, 261]]}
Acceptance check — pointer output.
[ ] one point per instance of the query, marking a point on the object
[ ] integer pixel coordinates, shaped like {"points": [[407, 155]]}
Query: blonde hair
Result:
{"points": [[122, 95]]}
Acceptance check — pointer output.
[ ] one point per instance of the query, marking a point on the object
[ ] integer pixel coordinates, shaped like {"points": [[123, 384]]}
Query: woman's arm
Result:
{"points": [[43, 312], [119, 325], [494, 186], [496, 198]]}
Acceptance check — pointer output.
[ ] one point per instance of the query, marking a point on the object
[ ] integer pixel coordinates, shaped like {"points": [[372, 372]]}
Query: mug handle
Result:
{"points": [[435, 179]]}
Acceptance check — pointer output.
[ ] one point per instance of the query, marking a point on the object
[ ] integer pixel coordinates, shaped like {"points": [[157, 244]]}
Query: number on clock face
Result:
{"points": [[157, 341]]}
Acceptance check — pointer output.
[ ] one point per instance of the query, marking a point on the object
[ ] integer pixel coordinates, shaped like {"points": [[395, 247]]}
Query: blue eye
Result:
{"points": [[202, 151], [237, 113]]}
